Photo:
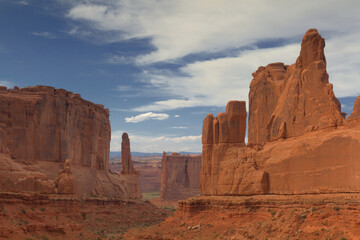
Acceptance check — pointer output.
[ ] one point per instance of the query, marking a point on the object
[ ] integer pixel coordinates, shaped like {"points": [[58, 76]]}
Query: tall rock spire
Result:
{"points": [[127, 164], [288, 101]]}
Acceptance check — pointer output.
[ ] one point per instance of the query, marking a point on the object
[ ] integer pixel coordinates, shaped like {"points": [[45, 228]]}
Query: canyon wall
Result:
{"points": [[69, 127], [180, 176], [41, 127], [298, 138]]}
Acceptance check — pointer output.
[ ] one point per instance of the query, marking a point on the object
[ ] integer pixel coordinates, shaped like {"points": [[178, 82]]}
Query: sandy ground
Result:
{"points": [[40, 217], [323, 216]]}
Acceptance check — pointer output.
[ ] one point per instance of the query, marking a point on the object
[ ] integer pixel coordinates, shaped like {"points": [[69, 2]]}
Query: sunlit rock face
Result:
{"points": [[298, 138], [180, 176], [41, 127]]}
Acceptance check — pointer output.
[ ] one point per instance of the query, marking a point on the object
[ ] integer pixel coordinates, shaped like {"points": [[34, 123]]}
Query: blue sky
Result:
{"points": [[162, 66]]}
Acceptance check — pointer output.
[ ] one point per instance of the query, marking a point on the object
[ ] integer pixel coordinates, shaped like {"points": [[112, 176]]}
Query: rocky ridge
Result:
{"points": [[298, 139]]}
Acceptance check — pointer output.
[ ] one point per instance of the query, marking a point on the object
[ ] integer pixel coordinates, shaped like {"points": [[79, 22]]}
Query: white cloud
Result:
{"points": [[176, 116], [44, 34], [180, 28], [25, 3], [147, 116], [77, 31], [118, 59], [124, 88], [214, 82], [179, 127], [142, 143]]}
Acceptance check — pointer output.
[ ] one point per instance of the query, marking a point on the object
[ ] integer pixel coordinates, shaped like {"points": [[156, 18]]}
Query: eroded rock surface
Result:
{"points": [[69, 127], [41, 127], [288, 101], [127, 164], [299, 141], [65, 182], [180, 176]]}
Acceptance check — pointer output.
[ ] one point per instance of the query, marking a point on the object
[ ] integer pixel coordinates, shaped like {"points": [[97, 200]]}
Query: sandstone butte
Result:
{"points": [[53, 141], [298, 139], [180, 176]]}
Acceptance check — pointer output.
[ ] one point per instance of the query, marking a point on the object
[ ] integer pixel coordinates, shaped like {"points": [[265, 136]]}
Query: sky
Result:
{"points": [[161, 66]]}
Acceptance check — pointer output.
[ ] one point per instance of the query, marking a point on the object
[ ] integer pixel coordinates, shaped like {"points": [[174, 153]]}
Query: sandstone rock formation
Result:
{"points": [[180, 176], [41, 127], [69, 127], [298, 139], [356, 112], [246, 178], [127, 164], [288, 101], [65, 182]]}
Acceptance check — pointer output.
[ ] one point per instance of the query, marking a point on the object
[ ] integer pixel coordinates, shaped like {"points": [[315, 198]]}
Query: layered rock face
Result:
{"points": [[180, 176], [298, 139], [223, 139], [67, 125], [127, 164], [41, 127], [288, 101]]}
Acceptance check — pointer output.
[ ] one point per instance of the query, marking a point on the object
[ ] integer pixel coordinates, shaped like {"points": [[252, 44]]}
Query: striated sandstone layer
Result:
{"points": [[180, 176], [69, 127], [299, 141], [41, 127]]}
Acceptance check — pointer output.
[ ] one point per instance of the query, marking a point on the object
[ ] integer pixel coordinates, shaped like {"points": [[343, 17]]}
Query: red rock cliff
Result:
{"points": [[46, 124], [288, 101], [180, 176], [299, 141], [41, 127]]}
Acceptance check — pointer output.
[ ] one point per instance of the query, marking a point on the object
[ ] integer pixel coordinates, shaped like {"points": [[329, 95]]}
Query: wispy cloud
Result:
{"points": [[118, 59], [77, 31], [44, 34], [179, 127], [147, 116], [124, 88], [229, 78], [143, 143], [226, 79], [25, 3], [180, 28], [6, 83]]}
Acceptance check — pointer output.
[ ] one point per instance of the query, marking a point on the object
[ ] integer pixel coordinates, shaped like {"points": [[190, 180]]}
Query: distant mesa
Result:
{"points": [[43, 130], [180, 176], [298, 139]]}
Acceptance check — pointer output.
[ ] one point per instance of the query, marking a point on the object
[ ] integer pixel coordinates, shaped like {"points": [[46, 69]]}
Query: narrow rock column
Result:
{"points": [[127, 164]]}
